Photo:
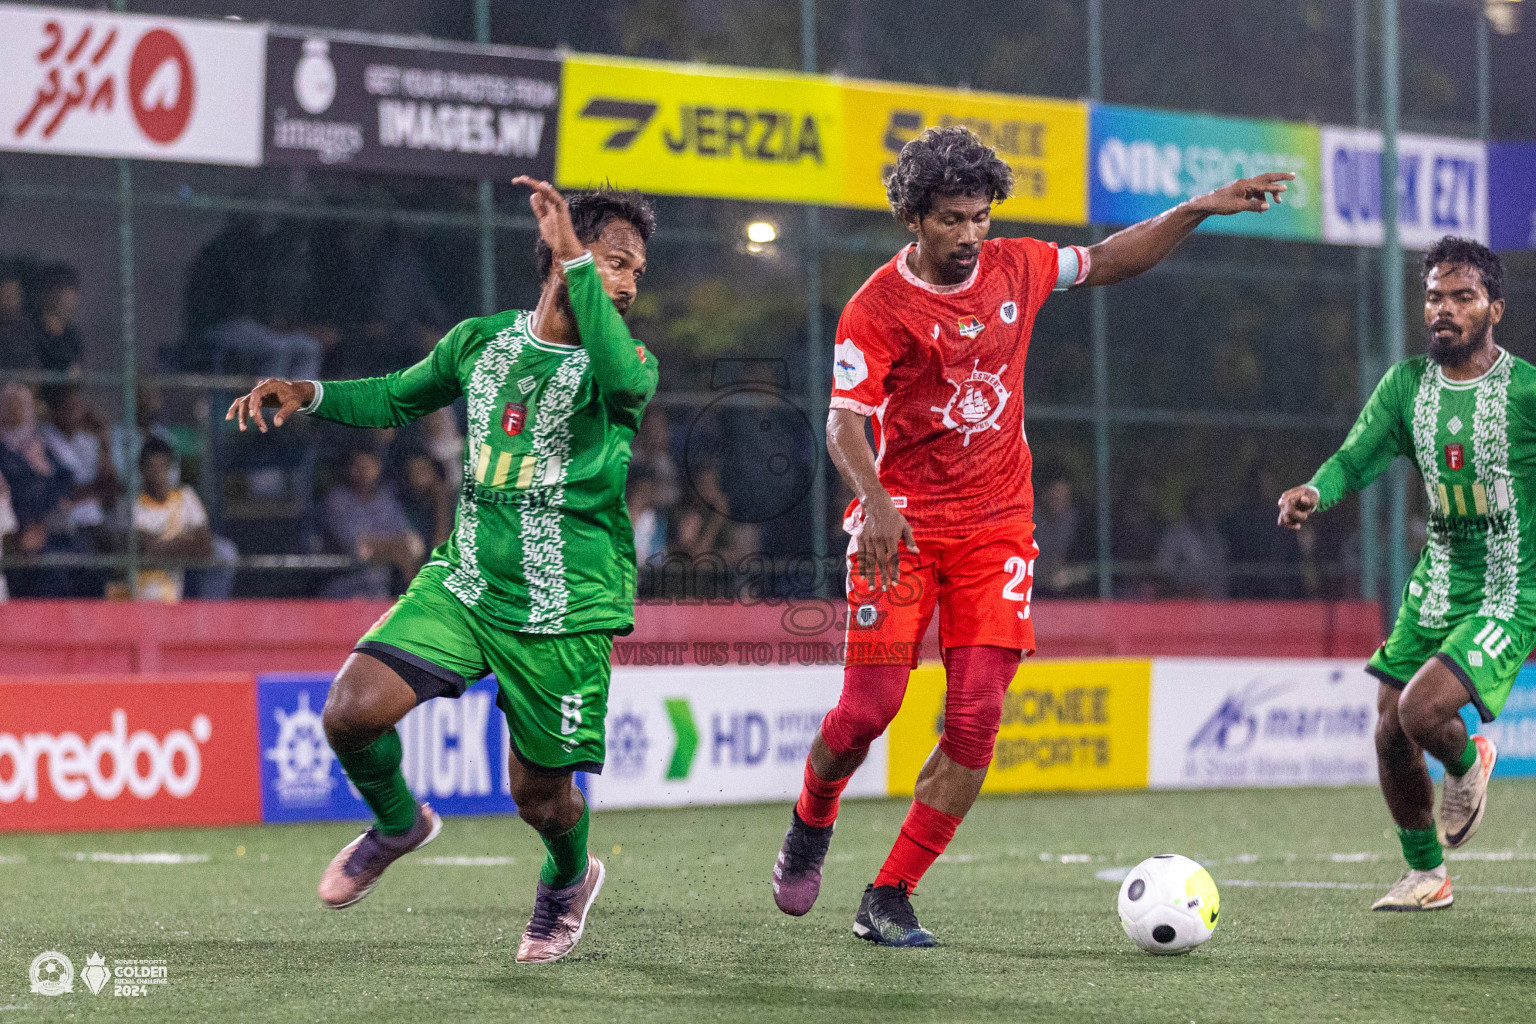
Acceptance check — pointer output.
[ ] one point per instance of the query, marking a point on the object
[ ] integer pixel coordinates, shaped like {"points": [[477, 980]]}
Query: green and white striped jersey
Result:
{"points": [[1475, 445], [542, 541]]}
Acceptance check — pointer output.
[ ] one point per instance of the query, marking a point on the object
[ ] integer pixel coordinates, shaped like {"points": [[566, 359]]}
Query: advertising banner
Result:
{"points": [[1273, 722], [91, 83], [1066, 725], [1142, 162], [427, 108], [1512, 195], [690, 130], [123, 752], [1442, 188], [1043, 140], [1514, 730], [455, 753], [718, 736]]}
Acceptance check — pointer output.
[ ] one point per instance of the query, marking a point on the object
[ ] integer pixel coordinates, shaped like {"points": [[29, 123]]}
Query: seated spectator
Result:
{"points": [[649, 527], [362, 517], [77, 438], [40, 490], [18, 335], [59, 342], [1059, 532], [1133, 543], [427, 499], [245, 345], [149, 407], [171, 522], [8, 526], [1192, 554]]}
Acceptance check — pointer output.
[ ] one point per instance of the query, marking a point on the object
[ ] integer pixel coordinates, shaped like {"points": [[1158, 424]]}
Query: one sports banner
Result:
{"points": [[1262, 722], [456, 753], [1066, 725], [1141, 162], [1515, 729], [79, 753], [1044, 141], [426, 108], [1442, 188], [1512, 195], [694, 130], [695, 735], [96, 84]]}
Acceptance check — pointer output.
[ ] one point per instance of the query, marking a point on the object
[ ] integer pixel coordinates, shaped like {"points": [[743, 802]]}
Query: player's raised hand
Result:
{"points": [[1296, 505], [879, 544], [1246, 195], [287, 396], [554, 217]]}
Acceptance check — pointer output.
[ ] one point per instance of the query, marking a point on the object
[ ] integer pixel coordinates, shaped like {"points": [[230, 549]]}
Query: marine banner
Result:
{"points": [[690, 130], [1442, 188], [1142, 162], [90, 83], [1066, 725], [1044, 141], [424, 108]]}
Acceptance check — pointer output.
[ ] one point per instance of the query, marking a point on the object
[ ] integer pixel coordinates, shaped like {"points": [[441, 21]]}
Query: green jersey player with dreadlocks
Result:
{"points": [[539, 573], [1466, 415]]}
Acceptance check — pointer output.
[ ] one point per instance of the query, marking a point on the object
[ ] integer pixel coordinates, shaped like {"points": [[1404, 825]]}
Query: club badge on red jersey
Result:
{"points": [[513, 417], [970, 327], [1454, 456], [976, 404], [1009, 311]]}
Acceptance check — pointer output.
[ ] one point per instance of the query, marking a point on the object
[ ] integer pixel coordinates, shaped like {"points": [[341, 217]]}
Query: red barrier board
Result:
{"points": [[125, 752]]}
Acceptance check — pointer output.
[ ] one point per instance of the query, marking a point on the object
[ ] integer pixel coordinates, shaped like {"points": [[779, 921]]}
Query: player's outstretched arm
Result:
{"points": [[1296, 505], [885, 528], [1141, 247], [287, 396]]}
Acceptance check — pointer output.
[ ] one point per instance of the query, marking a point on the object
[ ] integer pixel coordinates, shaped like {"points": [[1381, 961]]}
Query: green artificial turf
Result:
{"points": [[686, 929]]}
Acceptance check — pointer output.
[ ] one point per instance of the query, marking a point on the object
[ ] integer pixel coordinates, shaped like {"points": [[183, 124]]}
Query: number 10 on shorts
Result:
{"points": [[1020, 570]]}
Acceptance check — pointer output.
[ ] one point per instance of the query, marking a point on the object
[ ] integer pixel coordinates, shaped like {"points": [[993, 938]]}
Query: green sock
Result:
{"points": [[1468, 758], [375, 771], [1421, 848], [566, 862]]}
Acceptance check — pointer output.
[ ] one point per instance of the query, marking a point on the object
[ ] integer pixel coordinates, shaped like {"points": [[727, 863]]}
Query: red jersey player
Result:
{"points": [[933, 346]]}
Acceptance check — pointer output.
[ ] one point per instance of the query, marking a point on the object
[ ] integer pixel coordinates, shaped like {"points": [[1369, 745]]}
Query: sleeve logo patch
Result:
{"points": [[513, 417], [848, 367], [1009, 311], [640, 351]]}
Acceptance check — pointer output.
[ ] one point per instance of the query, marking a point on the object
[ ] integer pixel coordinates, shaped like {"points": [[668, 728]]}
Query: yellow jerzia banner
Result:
{"points": [[1044, 141], [1066, 725], [690, 130]]}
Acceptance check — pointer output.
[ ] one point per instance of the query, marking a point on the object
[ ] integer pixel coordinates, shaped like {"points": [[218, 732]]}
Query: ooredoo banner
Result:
{"points": [[125, 752], [424, 108], [1442, 188], [714, 736], [97, 84], [1272, 722]]}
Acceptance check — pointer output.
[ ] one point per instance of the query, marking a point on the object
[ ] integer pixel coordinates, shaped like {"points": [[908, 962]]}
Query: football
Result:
{"points": [[1169, 904]]}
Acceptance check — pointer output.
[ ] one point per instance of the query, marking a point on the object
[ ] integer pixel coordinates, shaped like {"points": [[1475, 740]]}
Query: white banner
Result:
{"points": [[96, 84], [1270, 722], [1442, 188], [718, 735]]}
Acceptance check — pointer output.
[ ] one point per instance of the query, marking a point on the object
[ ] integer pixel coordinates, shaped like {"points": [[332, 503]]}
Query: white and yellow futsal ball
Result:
{"points": [[1168, 904]]}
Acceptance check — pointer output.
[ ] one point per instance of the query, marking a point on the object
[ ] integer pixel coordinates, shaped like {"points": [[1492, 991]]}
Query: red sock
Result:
{"points": [[817, 806], [924, 835]]}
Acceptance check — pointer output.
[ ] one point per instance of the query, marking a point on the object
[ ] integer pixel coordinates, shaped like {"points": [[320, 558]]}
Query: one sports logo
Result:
{"points": [[636, 116]]}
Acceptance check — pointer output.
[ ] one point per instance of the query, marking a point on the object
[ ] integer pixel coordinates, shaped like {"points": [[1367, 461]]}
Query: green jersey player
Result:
{"points": [[1466, 415], [539, 573]]}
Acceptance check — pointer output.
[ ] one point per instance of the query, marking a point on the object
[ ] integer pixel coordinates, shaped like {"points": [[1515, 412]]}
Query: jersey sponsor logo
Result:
{"points": [[1009, 311], [849, 368], [513, 417], [977, 403], [1455, 456], [970, 327]]}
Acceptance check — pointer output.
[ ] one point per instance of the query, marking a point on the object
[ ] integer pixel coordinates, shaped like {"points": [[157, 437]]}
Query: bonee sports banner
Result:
{"points": [[97, 84]]}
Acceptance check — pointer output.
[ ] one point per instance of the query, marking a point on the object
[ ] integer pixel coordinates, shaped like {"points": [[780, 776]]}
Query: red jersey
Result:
{"points": [[941, 370]]}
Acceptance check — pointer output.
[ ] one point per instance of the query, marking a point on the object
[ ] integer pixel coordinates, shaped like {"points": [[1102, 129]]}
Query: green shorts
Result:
{"points": [[1484, 653], [552, 688]]}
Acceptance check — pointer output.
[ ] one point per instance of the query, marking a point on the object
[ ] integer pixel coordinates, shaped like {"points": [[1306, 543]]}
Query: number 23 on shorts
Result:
{"points": [[1021, 573]]}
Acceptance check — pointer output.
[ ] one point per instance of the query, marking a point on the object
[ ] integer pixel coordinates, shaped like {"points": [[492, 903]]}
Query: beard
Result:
{"points": [[1455, 352]]}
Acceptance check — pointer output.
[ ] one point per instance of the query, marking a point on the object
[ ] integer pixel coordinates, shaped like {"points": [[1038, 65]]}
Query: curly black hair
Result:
{"points": [[590, 214], [949, 161], [1467, 252]]}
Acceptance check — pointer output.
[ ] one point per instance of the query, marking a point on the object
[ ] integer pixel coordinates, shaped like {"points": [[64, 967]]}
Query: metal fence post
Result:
{"points": [[1365, 350], [1098, 328], [1392, 285], [815, 357], [487, 193]]}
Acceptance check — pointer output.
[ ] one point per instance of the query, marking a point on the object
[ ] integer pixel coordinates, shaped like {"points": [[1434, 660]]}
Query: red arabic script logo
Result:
{"points": [[73, 78], [160, 86], [78, 75]]}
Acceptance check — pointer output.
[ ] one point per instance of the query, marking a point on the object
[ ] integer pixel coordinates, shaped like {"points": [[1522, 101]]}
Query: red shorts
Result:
{"points": [[980, 583]]}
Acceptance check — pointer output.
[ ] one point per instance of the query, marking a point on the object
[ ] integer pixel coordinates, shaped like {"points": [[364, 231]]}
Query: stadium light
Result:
{"points": [[761, 232]]}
